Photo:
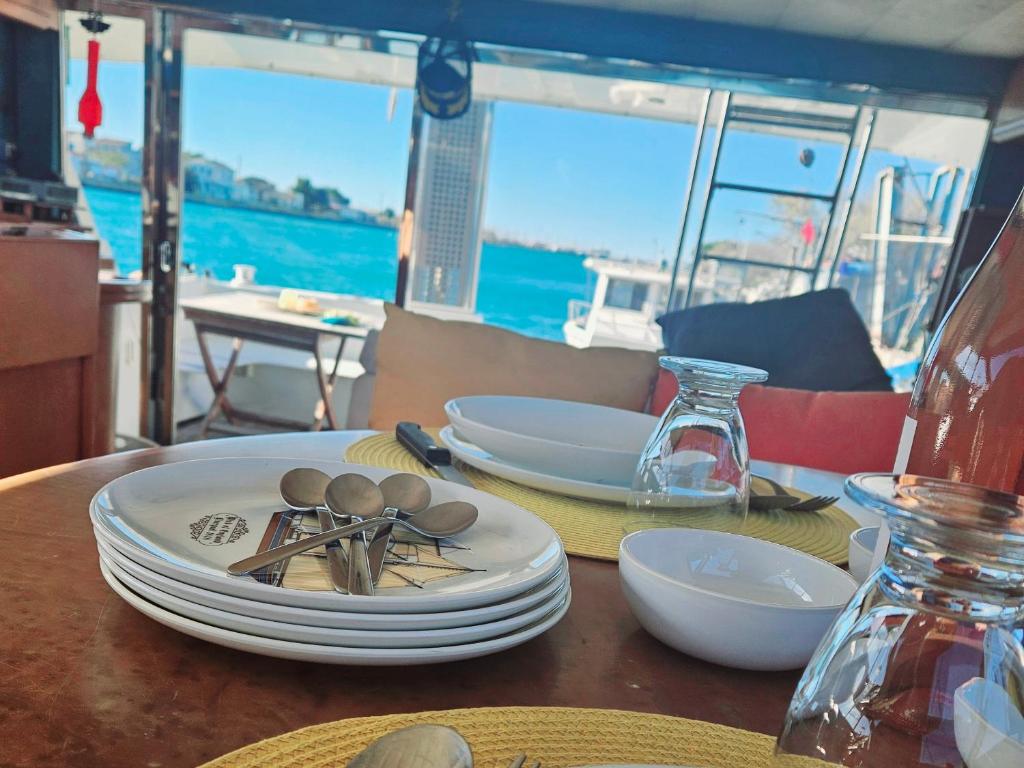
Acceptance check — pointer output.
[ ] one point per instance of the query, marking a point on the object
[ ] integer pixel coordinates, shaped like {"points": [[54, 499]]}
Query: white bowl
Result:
{"points": [[729, 599], [586, 442], [988, 727], [862, 550]]}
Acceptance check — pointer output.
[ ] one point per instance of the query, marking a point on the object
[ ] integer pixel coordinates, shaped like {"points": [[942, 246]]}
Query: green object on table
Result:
{"points": [[341, 320]]}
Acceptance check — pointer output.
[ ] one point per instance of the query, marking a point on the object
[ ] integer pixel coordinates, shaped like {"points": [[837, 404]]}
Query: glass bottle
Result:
{"points": [[697, 456], [966, 418], [940, 623]]}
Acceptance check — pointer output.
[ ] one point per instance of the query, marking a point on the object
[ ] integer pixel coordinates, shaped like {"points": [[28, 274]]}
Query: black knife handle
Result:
{"points": [[421, 445]]}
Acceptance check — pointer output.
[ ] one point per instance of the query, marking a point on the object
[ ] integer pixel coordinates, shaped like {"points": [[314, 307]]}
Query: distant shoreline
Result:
{"points": [[130, 188], [120, 186]]}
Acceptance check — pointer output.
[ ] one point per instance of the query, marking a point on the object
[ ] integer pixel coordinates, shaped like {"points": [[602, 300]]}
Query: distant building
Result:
{"points": [[253, 189], [105, 160], [292, 200], [208, 179]]}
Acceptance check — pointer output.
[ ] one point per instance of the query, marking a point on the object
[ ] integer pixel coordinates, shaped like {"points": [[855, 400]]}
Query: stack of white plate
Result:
{"points": [[166, 536], [576, 449]]}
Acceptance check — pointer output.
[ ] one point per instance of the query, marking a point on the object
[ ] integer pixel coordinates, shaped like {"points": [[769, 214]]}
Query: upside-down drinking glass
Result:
{"points": [[697, 456], [925, 666]]}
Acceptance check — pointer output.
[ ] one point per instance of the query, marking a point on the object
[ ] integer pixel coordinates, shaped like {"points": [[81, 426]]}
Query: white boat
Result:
{"points": [[628, 298]]}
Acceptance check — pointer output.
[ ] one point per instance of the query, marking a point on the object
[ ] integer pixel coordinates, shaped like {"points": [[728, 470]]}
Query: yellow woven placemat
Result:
{"points": [[594, 528], [556, 736]]}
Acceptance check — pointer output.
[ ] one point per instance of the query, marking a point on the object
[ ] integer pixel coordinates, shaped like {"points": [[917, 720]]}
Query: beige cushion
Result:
{"points": [[423, 362]]}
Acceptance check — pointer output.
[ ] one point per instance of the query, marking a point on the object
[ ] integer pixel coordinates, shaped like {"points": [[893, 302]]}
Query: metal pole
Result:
{"points": [[835, 197], [698, 147], [862, 153], [883, 225], [407, 227], [716, 152], [161, 214]]}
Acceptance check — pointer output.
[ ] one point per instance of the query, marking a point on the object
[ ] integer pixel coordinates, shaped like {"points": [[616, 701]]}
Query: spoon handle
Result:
{"points": [[271, 556]]}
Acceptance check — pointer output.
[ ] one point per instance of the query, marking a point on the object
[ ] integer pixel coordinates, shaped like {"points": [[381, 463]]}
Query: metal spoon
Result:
{"points": [[406, 494], [439, 522], [418, 746], [303, 490], [356, 496]]}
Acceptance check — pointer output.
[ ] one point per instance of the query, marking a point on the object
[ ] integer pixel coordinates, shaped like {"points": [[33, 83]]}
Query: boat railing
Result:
{"points": [[578, 311]]}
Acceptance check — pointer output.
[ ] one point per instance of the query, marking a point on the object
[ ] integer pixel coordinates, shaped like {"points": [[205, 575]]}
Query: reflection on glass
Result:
{"points": [[925, 666]]}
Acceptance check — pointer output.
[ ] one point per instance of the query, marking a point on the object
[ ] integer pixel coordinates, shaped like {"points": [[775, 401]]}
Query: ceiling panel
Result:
{"points": [[1002, 35], [992, 27]]}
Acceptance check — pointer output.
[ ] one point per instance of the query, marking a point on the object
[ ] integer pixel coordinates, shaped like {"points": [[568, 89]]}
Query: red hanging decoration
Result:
{"points": [[807, 232], [90, 110]]}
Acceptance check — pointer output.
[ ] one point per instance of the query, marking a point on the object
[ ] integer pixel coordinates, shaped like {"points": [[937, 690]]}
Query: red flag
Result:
{"points": [[807, 232]]}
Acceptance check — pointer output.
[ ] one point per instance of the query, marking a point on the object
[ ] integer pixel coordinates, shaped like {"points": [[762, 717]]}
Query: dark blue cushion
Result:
{"points": [[815, 341]]}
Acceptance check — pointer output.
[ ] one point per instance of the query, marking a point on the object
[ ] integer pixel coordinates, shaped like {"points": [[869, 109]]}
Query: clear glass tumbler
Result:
{"points": [[697, 456], [925, 666]]}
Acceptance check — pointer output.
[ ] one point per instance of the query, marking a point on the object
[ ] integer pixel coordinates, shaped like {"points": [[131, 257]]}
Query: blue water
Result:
{"points": [[523, 289]]}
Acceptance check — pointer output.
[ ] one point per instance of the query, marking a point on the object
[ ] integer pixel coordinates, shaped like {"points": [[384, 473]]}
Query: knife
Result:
{"points": [[422, 446], [337, 562]]}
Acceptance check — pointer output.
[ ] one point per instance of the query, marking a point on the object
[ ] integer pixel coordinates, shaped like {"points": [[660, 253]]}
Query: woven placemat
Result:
{"points": [[556, 736], [594, 528]]}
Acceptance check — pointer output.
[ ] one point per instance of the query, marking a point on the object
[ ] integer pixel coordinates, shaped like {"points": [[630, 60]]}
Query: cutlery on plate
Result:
{"points": [[337, 560], [438, 522], [430, 454], [418, 746], [355, 495], [303, 490], [403, 493]]}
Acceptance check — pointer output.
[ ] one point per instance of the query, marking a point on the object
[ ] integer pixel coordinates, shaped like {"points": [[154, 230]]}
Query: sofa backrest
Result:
{"points": [[422, 362]]}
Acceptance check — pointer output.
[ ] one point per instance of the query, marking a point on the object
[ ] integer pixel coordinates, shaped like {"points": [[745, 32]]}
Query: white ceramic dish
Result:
{"points": [[331, 654], [592, 443], [476, 456], [197, 517], [336, 619], [989, 729], [733, 600], [862, 550], [351, 638]]}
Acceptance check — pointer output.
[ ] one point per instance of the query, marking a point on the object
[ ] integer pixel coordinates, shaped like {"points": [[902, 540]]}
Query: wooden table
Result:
{"points": [[255, 317], [86, 680]]}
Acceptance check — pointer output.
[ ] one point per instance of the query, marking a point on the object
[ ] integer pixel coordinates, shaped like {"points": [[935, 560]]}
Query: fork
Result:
{"points": [[519, 761], [813, 504]]}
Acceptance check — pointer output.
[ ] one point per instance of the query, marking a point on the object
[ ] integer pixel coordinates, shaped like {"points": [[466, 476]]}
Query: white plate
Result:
{"points": [[351, 638], [331, 654], [592, 443], [336, 619], [476, 456], [198, 517]]}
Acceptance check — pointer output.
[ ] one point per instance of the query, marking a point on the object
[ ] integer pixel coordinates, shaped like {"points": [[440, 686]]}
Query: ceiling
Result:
{"points": [[920, 135], [985, 27]]}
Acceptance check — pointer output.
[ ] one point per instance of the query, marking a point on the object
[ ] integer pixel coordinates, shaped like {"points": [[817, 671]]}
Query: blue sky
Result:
{"points": [[570, 178]]}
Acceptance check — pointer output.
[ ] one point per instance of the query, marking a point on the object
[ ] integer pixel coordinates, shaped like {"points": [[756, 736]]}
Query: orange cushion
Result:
{"points": [[843, 432]]}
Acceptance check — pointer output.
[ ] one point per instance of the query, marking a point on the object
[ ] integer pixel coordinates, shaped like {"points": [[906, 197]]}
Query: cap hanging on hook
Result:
{"points": [[444, 70]]}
